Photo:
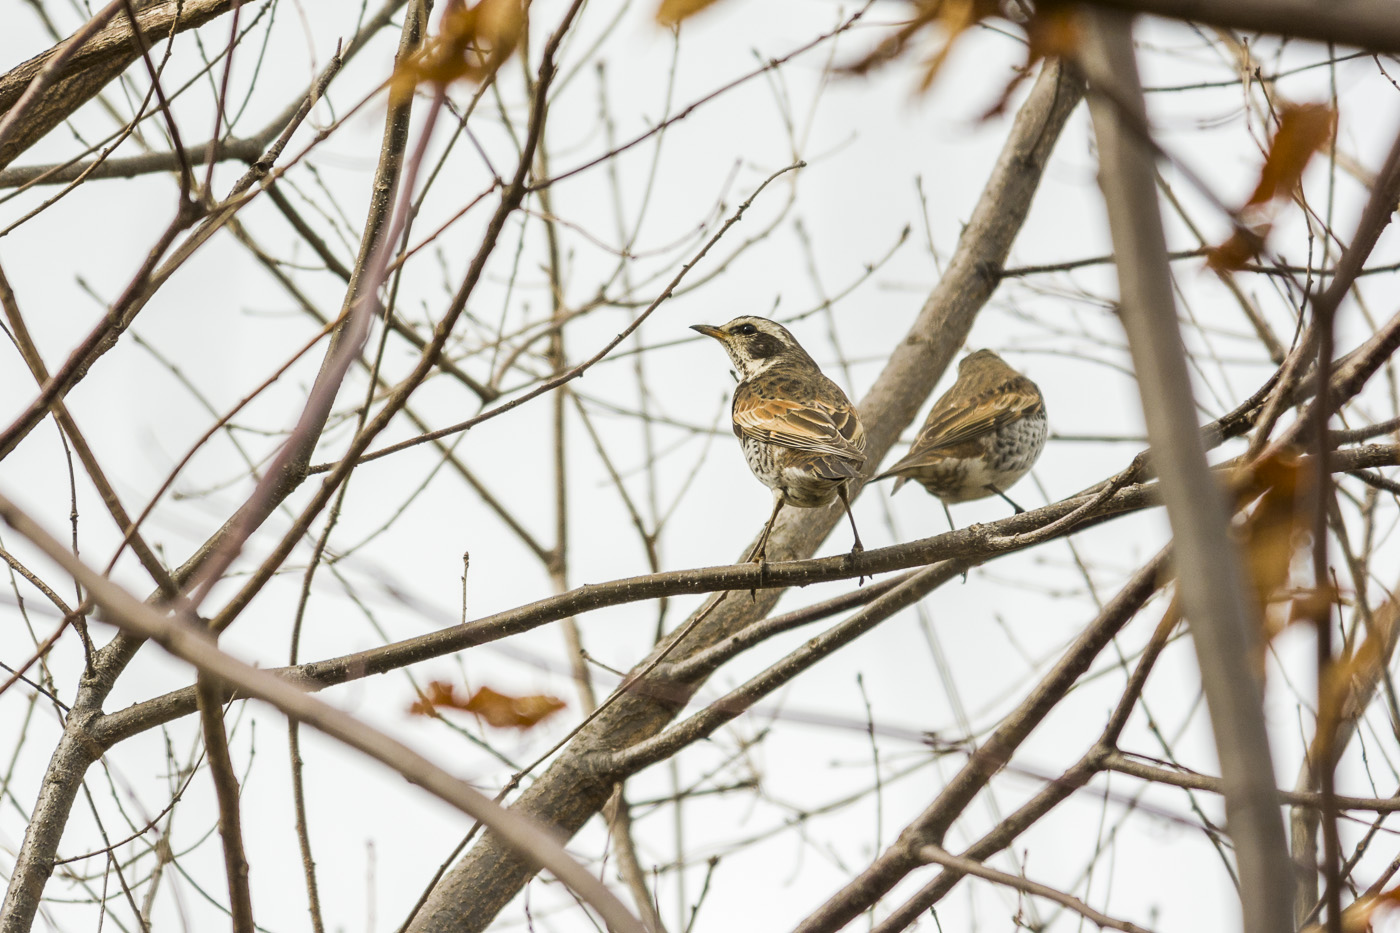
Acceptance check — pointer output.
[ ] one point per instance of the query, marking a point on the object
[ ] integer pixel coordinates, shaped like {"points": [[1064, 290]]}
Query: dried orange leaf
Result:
{"points": [[951, 17], [497, 709], [1277, 495], [1313, 604], [1360, 915], [672, 12], [1054, 32], [471, 42], [1235, 253], [1051, 32], [439, 693], [1356, 676], [1303, 129], [504, 711]]}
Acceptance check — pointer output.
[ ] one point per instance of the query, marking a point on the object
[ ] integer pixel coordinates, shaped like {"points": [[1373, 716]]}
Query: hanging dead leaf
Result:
{"points": [[1303, 129], [671, 12], [1277, 495], [1235, 253], [497, 709], [504, 711], [471, 43], [950, 17], [440, 693], [1051, 32], [1352, 679], [1360, 915]]}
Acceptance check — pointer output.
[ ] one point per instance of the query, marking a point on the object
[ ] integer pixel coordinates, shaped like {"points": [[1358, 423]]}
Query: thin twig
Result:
{"points": [[968, 866]]}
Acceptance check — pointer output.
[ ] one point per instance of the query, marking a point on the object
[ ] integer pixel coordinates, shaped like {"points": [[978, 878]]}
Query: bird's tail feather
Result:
{"points": [[898, 480]]}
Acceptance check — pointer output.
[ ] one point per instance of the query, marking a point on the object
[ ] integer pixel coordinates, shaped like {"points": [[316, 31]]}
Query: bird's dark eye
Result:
{"points": [[746, 330]]}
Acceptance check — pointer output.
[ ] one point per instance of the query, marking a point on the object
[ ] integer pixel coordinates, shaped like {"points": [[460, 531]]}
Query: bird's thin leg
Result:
{"points": [[856, 548], [846, 501], [1018, 509], [952, 527], [760, 550]]}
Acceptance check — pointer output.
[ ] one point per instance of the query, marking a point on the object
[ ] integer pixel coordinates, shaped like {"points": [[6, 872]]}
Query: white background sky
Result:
{"points": [[867, 143]]}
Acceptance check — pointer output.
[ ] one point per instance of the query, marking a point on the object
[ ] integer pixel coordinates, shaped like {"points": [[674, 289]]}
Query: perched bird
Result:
{"points": [[981, 436], [800, 434]]}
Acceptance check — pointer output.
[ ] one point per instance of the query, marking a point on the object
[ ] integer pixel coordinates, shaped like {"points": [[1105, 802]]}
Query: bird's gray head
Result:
{"points": [[755, 343], [979, 358]]}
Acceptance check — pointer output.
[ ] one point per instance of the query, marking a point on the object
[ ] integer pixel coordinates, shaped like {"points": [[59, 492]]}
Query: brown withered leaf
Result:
{"points": [[672, 12], [504, 711], [1351, 679], [440, 693], [1277, 526], [1303, 129], [1360, 915], [471, 42], [1235, 253], [1312, 604], [1051, 32], [951, 17], [497, 709]]}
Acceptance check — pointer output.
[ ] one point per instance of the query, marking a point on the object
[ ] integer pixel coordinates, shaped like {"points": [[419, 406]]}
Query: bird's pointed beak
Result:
{"points": [[709, 331]]}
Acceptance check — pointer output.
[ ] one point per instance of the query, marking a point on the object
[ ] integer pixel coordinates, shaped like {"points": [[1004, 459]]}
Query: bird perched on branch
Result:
{"points": [[800, 434], [982, 436]]}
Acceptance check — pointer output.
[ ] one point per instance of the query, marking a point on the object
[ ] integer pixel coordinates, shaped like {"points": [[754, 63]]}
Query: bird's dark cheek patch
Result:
{"points": [[762, 346]]}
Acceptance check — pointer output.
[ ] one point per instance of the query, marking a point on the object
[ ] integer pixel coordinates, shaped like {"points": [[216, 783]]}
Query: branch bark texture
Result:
{"points": [[92, 67], [1365, 24], [1223, 621]]}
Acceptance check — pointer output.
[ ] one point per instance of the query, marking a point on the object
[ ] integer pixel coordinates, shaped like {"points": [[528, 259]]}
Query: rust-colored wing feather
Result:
{"points": [[958, 417], [955, 420], [827, 426]]}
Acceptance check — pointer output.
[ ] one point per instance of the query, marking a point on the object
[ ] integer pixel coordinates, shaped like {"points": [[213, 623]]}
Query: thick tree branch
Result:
{"points": [[87, 69], [1223, 621], [244, 149], [1363, 24]]}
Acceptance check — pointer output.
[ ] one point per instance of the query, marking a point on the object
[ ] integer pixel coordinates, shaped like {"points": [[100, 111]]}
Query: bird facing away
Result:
{"points": [[983, 435], [800, 434]]}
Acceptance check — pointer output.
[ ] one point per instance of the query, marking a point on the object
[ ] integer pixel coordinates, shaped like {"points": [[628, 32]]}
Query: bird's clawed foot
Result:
{"points": [[759, 555], [857, 550], [762, 574]]}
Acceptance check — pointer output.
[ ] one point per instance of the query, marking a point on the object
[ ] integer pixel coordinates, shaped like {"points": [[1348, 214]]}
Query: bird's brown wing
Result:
{"points": [[815, 426], [955, 420]]}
